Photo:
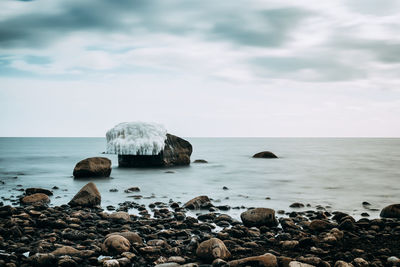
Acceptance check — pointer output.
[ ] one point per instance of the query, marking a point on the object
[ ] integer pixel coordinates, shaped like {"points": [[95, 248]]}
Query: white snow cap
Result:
{"points": [[136, 138]]}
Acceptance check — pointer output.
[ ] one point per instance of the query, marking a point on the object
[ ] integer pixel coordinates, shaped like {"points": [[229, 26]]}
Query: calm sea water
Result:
{"points": [[335, 173]]}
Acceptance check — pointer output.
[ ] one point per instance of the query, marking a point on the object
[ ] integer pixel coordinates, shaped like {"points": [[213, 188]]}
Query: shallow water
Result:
{"points": [[336, 173]]}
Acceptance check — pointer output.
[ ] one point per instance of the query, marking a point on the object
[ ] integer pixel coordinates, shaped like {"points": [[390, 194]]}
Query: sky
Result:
{"points": [[265, 68]]}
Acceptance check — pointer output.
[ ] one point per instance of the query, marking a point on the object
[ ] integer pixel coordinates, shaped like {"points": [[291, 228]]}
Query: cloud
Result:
{"points": [[246, 41]]}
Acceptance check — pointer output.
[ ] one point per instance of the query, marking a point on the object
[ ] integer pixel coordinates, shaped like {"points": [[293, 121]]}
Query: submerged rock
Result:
{"points": [[88, 196], [200, 161], [265, 155], [93, 167], [259, 217], [31, 191]]}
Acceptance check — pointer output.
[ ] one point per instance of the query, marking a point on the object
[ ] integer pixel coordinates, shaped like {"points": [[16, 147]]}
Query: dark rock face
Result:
{"points": [[93, 167], [391, 211], [265, 155], [88, 196], [176, 152]]}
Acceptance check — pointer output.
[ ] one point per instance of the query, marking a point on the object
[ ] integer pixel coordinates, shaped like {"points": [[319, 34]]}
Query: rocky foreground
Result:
{"points": [[162, 234]]}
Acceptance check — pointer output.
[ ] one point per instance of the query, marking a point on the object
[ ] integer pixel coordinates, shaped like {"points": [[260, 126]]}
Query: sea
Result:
{"points": [[333, 174]]}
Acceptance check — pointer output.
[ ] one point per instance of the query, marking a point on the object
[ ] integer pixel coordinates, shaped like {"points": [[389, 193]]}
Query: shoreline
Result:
{"points": [[39, 235]]}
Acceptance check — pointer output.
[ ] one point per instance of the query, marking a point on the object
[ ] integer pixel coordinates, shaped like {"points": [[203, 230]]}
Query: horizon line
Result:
{"points": [[383, 137]]}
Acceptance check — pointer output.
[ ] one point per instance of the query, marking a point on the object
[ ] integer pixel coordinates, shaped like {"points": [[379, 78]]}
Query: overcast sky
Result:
{"points": [[201, 68]]}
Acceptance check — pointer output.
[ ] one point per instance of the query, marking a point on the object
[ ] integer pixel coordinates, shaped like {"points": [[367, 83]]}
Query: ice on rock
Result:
{"points": [[136, 138]]}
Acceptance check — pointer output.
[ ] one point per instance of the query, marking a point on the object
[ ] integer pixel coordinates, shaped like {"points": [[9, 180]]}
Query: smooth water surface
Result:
{"points": [[332, 172]]}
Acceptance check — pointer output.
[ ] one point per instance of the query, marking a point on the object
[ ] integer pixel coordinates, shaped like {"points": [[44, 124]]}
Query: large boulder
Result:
{"points": [[93, 167], [265, 155], [212, 249], [391, 211], [259, 217], [88, 196], [35, 198], [176, 152], [266, 260]]}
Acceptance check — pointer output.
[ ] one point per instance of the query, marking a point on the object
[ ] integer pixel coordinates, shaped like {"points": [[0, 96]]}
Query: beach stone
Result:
{"points": [[133, 238], [66, 261], [200, 202], [31, 191], [212, 249], [394, 261], [43, 259], [177, 259], [391, 211], [116, 244], [360, 262], [120, 215], [66, 250], [35, 198], [265, 155], [111, 263], [343, 264], [289, 244], [266, 260], [320, 225], [93, 167], [259, 217], [88, 196], [169, 264], [299, 264]]}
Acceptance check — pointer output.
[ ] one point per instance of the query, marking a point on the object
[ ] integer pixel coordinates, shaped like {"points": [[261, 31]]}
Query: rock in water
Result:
{"points": [[88, 196], [31, 191], [140, 144], [35, 198], [391, 211], [266, 260], [265, 155], [212, 249], [93, 167], [200, 202], [176, 152], [259, 217], [200, 161]]}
